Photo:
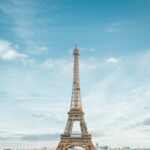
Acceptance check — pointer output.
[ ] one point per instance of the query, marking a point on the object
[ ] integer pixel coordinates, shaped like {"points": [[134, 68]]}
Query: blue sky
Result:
{"points": [[36, 64]]}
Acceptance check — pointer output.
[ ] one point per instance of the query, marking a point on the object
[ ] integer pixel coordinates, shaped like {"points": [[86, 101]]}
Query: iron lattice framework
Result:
{"points": [[68, 139]]}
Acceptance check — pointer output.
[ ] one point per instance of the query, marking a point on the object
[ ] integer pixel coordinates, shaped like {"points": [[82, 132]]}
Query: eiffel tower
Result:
{"points": [[68, 139]]}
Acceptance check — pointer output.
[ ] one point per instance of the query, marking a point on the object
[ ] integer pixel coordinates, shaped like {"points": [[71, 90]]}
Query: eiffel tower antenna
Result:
{"points": [[68, 139], [76, 44]]}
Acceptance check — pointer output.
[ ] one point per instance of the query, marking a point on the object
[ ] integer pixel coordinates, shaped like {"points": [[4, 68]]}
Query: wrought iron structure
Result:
{"points": [[68, 139]]}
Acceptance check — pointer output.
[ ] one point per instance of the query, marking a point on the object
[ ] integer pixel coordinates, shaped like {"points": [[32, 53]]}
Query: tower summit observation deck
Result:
{"points": [[68, 139]]}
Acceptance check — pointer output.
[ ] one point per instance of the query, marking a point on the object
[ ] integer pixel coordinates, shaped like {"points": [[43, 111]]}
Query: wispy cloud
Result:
{"points": [[115, 26], [88, 49], [41, 49], [9, 52], [62, 65], [145, 123], [25, 25], [112, 60], [49, 116], [31, 137], [66, 66], [21, 27], [40, 137], [47, 64]]}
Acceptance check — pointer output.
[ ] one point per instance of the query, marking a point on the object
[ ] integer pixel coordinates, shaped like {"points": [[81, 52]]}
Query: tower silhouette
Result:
{"points": [[68, 139]]}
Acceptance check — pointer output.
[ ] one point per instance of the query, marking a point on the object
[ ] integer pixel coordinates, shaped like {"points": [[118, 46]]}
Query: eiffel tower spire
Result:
{"points": [[68, 139], [76, 98]]}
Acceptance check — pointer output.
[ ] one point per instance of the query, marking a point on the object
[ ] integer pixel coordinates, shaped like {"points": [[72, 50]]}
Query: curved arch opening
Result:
{"points": [[76, 148]]}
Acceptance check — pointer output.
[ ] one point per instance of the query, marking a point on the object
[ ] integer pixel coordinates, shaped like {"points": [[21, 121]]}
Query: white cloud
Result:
{"points": [[47, 64], [116, 26], [87, 49], [63, 66], [26, 26], [112, 60], [41, 48], [9, 53], [147, 94], [111, 29]]}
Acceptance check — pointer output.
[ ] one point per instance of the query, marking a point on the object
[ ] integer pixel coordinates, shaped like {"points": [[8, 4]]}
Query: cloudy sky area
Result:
{"points": [[36, 64]]}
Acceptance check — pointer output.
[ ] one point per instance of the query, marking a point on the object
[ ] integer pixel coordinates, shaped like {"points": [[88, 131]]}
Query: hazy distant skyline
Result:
{"points": [[37, 39]]}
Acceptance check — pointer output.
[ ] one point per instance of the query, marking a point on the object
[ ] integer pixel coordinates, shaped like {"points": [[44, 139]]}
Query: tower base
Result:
{"points": [[69, 142]]}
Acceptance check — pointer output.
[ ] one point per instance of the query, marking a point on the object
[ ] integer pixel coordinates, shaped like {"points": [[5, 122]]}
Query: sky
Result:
{"points": [[37, 39]]}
